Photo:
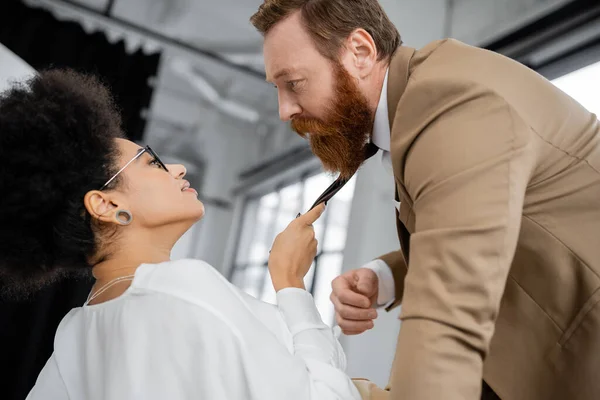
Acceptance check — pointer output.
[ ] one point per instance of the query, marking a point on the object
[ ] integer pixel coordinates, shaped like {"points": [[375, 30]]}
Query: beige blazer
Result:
{"points": [[498, 176]]}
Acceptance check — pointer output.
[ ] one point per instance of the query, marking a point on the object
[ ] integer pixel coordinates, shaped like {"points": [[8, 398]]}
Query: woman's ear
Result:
{"points": [[101, 206]]}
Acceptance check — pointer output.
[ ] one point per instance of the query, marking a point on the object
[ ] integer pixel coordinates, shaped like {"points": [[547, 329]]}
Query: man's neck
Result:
{"points": [[377, 84]]}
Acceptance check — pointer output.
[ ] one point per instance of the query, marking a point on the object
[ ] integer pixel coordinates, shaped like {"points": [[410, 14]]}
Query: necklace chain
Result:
{"points": [[107, 286]]}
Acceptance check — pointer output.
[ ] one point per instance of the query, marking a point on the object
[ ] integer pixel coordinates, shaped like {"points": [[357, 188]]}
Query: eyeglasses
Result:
{"points": [[143, 150]]}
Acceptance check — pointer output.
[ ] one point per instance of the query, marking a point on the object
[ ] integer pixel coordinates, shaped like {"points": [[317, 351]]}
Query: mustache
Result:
{"points": [[303, 126]]}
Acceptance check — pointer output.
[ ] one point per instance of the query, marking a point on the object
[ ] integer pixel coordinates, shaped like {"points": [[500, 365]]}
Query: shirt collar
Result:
{"points": [[381, 125]]}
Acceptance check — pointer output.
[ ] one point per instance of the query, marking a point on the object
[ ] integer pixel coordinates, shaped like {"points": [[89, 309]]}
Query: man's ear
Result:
{"points": [[363, 52], [102, 206]]}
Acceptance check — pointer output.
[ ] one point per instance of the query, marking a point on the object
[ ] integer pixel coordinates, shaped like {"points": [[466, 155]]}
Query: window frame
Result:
{"points": [[251, 195]]}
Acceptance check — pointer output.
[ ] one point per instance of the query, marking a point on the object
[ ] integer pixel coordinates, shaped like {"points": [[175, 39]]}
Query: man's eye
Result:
{"points": [[155, 162]]}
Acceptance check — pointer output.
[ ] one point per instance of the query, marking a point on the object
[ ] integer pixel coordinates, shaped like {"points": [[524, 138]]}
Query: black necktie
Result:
{"points": [[338, 184]]}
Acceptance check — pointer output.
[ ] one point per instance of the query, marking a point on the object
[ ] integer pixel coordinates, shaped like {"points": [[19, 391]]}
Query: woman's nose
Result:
{"points": [[177, 170]]}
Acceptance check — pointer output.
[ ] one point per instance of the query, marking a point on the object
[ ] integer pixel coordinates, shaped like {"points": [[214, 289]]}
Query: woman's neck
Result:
{"points": [[107, 273], [126, 263]]}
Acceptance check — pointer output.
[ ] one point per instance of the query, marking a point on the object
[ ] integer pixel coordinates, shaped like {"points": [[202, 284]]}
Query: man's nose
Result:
{"points": [[288, 109]]}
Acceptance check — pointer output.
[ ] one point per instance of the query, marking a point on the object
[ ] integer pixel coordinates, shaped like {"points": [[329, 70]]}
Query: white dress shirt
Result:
{"points": [[381, 127], [381, 139], [182, 331]]}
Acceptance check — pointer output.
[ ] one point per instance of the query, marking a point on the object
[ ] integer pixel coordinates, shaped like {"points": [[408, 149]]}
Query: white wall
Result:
{"points": [[372, 232], [478, 21], [12, 68], [227, 151], [418, 21], [472, 21], [215, 148]]}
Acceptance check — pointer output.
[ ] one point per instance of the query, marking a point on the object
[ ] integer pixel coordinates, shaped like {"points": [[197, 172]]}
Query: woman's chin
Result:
{"points": [[189, 213], [192, 219], [201, 211], [197, 214]]}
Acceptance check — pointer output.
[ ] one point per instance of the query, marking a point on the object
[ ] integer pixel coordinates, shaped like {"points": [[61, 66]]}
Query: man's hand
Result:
{"points": [[354, 296]]}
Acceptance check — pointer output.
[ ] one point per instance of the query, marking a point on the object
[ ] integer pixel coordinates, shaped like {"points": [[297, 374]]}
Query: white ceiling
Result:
{"points": [[186, 30], [222, 27]]}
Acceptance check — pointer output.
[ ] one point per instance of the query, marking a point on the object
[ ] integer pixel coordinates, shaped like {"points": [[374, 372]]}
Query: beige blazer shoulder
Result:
{"points": [[497, 172]]}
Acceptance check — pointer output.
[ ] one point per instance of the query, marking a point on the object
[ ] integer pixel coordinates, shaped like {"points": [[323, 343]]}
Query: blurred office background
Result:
{"points": [[190, 79]]}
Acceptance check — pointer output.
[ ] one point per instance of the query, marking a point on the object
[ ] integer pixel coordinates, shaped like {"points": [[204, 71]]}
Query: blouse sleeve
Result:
{"points": [[49, 384], [246, 362]]}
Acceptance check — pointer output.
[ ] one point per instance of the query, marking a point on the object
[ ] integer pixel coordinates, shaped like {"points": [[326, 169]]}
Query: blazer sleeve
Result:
{"points": [[395, 260], [467, 173]]}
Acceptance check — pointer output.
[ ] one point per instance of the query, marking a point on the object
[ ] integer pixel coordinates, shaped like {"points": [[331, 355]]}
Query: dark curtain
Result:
{"points": [[27, 328], [43, 42]]}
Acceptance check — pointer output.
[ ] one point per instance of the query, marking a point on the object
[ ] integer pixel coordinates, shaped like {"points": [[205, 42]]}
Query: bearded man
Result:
{"points": [[497, 177]]}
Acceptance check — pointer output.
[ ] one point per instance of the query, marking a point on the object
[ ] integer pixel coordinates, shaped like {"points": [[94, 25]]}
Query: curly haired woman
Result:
{"points": [[78, 198]]}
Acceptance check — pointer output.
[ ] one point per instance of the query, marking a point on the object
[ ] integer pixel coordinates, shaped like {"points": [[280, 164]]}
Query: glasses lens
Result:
{"points": [[157, 158]]}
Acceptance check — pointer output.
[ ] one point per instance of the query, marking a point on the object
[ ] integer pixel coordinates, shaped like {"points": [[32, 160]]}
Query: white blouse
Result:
{"points": [[182, 331]]}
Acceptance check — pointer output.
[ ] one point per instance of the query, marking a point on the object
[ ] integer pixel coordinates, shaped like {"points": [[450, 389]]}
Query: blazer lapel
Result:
{"points": [[397, 80], [402, 219]]}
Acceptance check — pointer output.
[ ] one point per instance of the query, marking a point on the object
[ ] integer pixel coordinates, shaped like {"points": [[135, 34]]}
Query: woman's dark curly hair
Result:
{"points": [[57, 134]]}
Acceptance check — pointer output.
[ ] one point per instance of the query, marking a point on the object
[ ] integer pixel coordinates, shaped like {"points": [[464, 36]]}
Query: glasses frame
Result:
{"points": [[146, 149]]}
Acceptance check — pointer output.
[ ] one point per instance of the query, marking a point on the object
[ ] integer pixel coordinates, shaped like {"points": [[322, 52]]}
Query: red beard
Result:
{"points": [[339, 139]]}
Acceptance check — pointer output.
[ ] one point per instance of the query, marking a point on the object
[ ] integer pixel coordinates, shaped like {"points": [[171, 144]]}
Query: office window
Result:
{"points": [[266, 215], [583, 85]]}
